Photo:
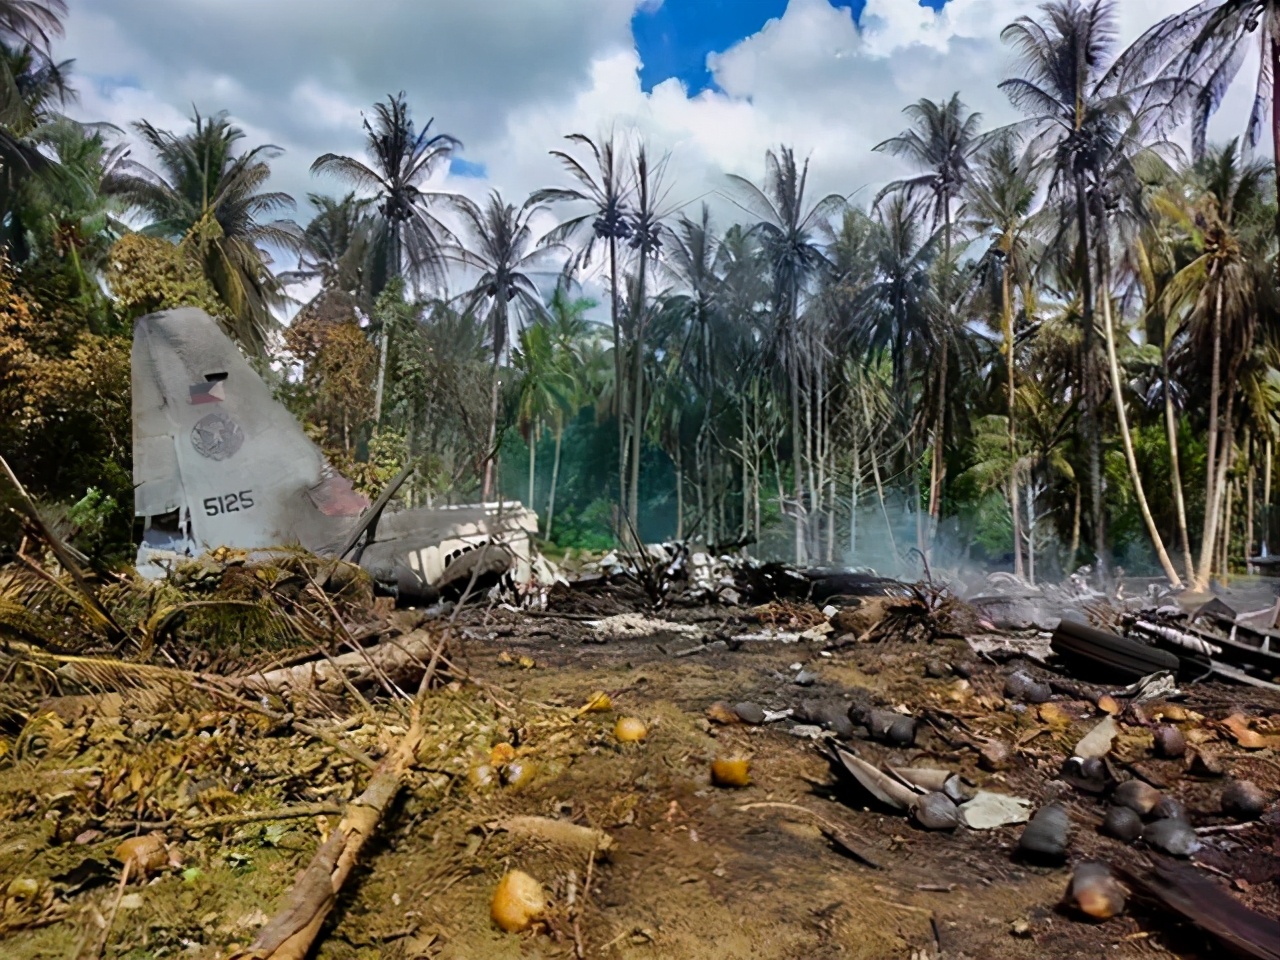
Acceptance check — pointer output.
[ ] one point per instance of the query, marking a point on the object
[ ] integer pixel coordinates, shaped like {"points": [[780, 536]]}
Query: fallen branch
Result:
{"points": [[333, 674], [290, 934], [557, 832]]}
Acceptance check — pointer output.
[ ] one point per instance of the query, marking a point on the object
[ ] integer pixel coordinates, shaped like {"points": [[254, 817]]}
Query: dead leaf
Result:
{"points": [[1097, 742], [1247, 737]]}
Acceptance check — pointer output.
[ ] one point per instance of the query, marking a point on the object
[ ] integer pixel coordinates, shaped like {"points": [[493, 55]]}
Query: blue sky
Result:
{"points": [[673, 40]]}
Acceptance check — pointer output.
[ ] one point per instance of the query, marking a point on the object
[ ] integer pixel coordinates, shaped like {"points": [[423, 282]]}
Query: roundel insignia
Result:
{"points": [[217, 436]]}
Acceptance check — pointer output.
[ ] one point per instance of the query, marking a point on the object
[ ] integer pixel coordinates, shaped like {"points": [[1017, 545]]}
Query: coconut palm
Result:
{"points": [[206, 194], [500, 246], [31, 22], [1001, 198], [603, 196], [1082, 110], [1220, 291], [408, 239], [787, 231], [33, 91], [941, 142]]}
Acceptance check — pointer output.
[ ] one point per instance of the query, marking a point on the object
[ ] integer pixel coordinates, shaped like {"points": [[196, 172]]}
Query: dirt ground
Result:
{"points": [[695, 870]]}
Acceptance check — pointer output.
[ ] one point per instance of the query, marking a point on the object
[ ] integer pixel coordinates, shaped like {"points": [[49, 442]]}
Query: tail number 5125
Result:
{"points": [[228, 503]]}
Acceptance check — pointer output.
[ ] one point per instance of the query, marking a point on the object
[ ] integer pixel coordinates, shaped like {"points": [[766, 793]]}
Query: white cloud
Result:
{"points": [[512, 78]]}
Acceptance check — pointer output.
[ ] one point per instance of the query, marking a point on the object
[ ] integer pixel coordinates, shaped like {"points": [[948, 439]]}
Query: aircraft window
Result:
{"points": [[212, 377]]}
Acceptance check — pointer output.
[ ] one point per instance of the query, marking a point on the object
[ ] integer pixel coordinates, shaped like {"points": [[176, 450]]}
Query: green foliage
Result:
{"points": [[147, 274]]}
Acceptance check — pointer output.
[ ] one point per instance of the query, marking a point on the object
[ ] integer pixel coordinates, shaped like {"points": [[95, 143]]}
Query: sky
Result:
{"points": [[711, 84]]}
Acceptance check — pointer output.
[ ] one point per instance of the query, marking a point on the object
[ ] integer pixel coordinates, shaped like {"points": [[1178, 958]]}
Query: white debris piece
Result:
{"points": [[628, 626]]}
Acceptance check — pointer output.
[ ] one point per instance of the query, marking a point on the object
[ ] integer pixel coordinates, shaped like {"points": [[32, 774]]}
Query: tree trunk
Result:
{"points": [[1275, 117], [1250, 482], [679, 492], [1171, 431], [619, 392], [491, 453], [1093, 437], [1031, 535], [1209, 534], [555, 479], [637, 399], [382, 377], [1006, 327], [533, 464], [1265, 545], [1126, 438], [1075, 531], [796, 465]]}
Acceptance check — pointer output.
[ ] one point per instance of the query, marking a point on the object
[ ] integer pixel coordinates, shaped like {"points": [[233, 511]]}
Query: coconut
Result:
{"points": [[1021, 686], [143, 855], [1139, 797], [1047, 832], [1169, 742], [730, 772], [502, 753], [518, 902], [935, 811], [1243, 799], [1169, 809], [1174, 837], [721, 713], [751, 713], [1123, 824], [1095, 892], [630, 730]]}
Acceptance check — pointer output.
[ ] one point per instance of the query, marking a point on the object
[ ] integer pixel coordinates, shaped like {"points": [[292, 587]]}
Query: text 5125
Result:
{"points": [[228, 503]]}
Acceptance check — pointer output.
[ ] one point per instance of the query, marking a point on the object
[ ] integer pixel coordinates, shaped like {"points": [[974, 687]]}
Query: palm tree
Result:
{"points": [[605, 193], [941, 142], [645, 216], [336, 250], [1001, 197], [1220, 291], [33, 91], [31, 22], [787, 232], [571, 339], [408, 240], [546, 389], [1203, 48], [207, 195], [1081, 113], [502, 249]]}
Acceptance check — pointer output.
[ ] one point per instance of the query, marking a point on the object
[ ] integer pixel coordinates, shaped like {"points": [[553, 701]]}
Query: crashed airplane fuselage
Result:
{"points": [[218, 461]]}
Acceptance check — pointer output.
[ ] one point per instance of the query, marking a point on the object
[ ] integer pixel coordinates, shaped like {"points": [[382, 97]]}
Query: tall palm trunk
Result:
{"points": [[937, 468], [533, 464], [1275, 117], [1122, 418], [555, 479], [491, 452], [1006, 328], [619, 391], [384, 338], [1171, 431], [637, 398], [793, 388], [1092, 427], [1209, 533]]}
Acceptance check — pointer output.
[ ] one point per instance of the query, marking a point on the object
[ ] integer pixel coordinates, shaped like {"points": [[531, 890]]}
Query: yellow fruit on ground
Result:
{"points": [[518, 902]]}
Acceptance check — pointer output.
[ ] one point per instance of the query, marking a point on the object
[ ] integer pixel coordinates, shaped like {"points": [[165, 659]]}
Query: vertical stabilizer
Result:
{"points": [[218, 460]]}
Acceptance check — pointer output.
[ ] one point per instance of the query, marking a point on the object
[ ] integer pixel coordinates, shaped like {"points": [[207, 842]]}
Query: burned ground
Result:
{"points": [[693, 870]]}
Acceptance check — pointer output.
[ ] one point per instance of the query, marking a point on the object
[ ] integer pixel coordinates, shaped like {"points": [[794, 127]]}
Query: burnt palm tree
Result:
{"points": [[500, 246], [941, 142], [787, 231], [603, 197], [206, 194]]}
